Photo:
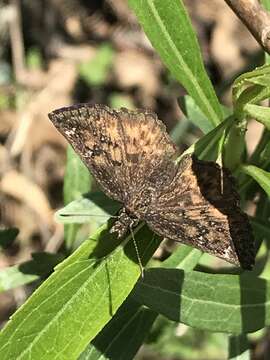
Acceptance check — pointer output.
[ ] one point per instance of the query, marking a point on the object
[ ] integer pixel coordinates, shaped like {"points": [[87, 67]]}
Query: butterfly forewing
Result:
{"points": [[119, 146]]}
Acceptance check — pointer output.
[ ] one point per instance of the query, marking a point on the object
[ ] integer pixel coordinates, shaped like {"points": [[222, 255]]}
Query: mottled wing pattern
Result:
{"points": [[120, 147], [200, 207]]}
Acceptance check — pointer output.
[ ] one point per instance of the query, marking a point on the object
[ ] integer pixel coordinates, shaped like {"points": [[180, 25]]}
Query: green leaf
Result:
{"points": [[260, 158], [27, 272], [118, 100], [95, 71], [179, 131], [77, 181], [266, 4], [123, 335], [5, 100], [214, 302], [239, 348], [261, 176], [184, 257], [176, 341], [251, 87], [93, 210], [209, 147], [249, 78], [263, 207], [261, 228], [96, 207], [7, 236], [235, 145], [34, 60], [260, 113], [169, 29], [12, 277], [194, 114], [60, 318]]}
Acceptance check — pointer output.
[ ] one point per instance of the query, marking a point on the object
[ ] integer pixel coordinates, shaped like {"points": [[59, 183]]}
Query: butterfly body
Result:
{"points": [[133, 160]]}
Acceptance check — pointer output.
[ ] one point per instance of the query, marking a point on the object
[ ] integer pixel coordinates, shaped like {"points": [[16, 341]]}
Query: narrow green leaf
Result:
{"points": [[77, 177], [77, 181], [194, 114], [245, 80], [260, 113], [180, 129], [11, 277], [261, 176], [60, 318], [260, 158], [93, 210], [239, 348], [214, 302], [263, 207], [209, 147], [184, 257], [169, 29], [261, 228], [263, 80], [235, 145], [7, 236], [251, 87], [96, 207], [178, 342], [123, 335], [27, 272]]}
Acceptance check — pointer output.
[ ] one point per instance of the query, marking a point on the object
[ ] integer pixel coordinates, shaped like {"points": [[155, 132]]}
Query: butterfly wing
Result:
{"points": [[119, 146], [200, 207]]}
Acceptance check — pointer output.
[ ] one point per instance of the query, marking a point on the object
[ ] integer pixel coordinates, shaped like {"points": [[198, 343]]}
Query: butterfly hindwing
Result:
{"points": [[200, 207]]}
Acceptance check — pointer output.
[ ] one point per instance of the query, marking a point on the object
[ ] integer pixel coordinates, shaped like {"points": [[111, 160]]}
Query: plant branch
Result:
{"points": [[16, 40], [255, 17]]}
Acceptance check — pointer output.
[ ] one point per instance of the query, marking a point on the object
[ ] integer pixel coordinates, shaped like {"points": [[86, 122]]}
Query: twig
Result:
{"points": [[17, 44], [256, 19]]}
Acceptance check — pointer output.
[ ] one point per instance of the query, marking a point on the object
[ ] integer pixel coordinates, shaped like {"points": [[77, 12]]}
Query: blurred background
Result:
{"points": [[54, 53]]}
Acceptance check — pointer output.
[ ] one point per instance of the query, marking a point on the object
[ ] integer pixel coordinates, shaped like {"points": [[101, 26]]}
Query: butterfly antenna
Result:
{"points": [[137, 252]]}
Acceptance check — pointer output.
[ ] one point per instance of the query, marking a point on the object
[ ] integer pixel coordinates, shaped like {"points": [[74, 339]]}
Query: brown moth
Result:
{"points": [[132, 158]]}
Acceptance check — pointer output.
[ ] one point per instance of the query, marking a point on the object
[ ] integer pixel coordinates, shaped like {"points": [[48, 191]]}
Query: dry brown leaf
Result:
{"points": [[33, 126], [14, 213], [18, 186], [133, 68]]}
